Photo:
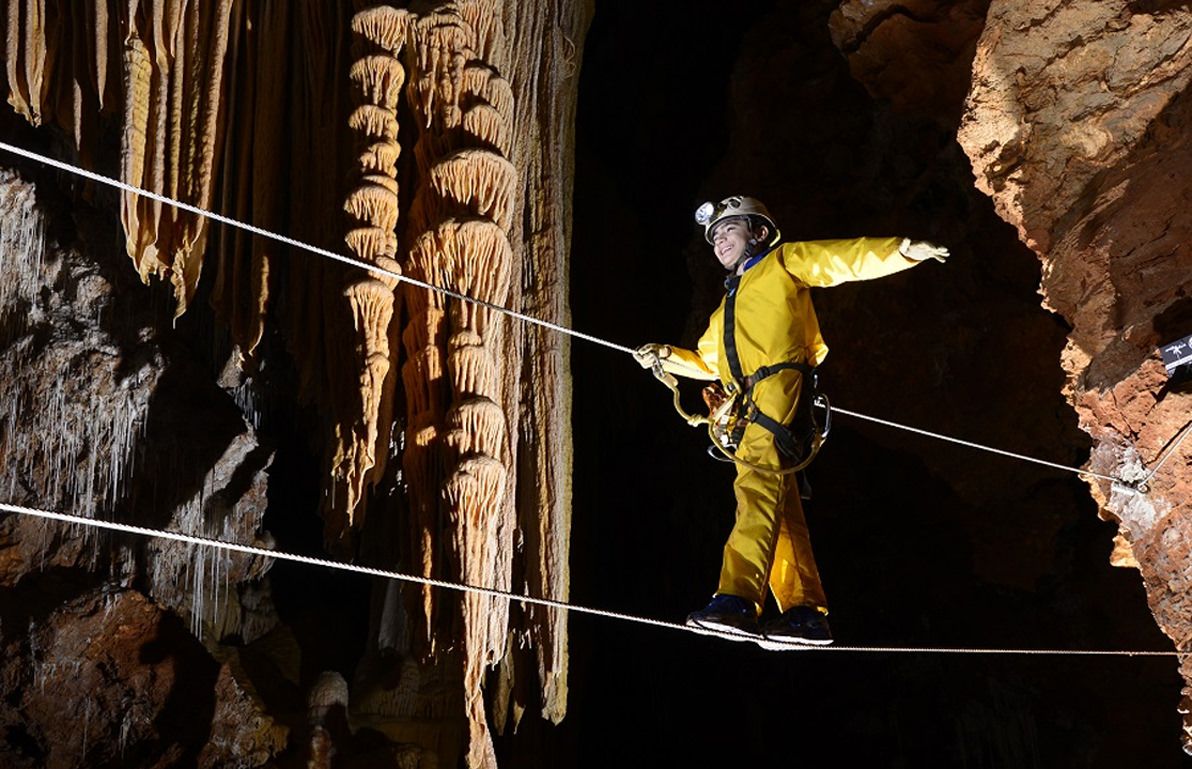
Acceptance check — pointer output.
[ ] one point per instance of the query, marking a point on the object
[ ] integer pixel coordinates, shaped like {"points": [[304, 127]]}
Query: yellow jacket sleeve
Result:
{"points": [[700, 363], [831, 262]]}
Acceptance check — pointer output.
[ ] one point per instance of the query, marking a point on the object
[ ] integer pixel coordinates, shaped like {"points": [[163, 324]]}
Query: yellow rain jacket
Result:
{"points": [[773, 322]]}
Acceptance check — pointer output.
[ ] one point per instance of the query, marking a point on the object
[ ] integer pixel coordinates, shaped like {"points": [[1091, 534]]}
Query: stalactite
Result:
{"points": [[174, 65], [473, 182], [474, 493], [26, 58], [383, 25], [476, 426], [360, 454], [485, 83], [487, 128], [462, 248], [252, 163]]}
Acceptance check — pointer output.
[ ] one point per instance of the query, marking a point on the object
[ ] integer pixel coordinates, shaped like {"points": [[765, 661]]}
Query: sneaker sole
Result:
{"points": [[722, 631], [792, 645]]}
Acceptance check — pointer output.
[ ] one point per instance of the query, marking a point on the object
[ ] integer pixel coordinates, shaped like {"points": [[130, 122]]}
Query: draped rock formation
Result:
{"points": [[1077, 129], [442, 424]]}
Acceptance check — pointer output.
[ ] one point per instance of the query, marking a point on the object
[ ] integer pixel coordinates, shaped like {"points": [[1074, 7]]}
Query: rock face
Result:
{"points": [[1077, 129], [108, 416], [441, 426]]}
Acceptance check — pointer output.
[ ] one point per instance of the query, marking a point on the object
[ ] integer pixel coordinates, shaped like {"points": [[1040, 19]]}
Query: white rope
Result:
{"points": [[337, 565], [78, 171], [970, 444], [506, 595], [73, 169], [1170, 453]]}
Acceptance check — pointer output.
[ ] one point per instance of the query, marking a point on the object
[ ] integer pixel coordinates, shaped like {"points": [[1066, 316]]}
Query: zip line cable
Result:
{"points": [[322, 252], [562, 605]]}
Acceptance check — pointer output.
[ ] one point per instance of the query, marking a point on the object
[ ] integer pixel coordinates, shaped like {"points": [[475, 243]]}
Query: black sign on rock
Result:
{"points": [[1177, 357]]}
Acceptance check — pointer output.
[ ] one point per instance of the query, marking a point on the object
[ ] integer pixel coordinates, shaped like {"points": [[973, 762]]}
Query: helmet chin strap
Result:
{"points": [[746, 253]]}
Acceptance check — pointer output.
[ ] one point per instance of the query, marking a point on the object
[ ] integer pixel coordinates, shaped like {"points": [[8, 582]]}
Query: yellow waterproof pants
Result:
{"points": [[769, 542]]}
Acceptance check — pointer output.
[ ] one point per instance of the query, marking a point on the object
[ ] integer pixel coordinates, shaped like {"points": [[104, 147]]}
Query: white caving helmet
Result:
{"points": [[710, 214]]}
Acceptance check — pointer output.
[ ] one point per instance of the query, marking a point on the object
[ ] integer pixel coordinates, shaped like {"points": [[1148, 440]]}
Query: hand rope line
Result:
{"points": [[562, 605], [1168, 455], [990, 449], [78, 171]]}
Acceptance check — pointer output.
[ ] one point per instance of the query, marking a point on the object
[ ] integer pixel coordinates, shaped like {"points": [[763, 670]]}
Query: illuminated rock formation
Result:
{"points": [[431, 413], [360, 453], [1075, 127]]}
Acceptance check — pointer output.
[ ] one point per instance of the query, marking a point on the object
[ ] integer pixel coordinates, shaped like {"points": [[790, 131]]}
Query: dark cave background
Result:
{"points": [[920, 543]]}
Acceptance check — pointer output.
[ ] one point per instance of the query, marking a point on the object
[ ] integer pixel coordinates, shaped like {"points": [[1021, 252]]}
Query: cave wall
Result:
{"points": [[1076, 127], [440, 428]]}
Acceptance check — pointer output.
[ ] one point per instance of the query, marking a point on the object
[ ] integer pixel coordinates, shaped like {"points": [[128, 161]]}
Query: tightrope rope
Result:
{"points": [[562, 605]]}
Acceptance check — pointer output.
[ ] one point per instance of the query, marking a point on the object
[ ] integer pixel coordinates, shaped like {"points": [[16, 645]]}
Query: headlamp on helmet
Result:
{"points": [[710, 214]]}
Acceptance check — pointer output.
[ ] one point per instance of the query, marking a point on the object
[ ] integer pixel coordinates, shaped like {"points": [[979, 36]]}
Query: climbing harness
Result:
{"points": [[727, 420], [798, 442]]}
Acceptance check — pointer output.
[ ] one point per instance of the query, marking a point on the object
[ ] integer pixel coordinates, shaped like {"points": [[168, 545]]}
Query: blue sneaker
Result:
{"points": [[796, 627], [729, 615]]}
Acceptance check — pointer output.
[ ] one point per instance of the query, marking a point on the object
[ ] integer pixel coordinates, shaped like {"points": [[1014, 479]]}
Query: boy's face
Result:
{"points": [[729, 239]]}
